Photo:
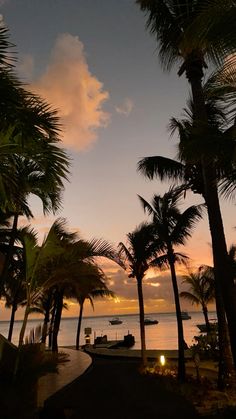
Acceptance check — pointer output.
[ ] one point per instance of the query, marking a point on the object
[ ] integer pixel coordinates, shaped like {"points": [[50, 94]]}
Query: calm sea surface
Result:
{"points": [[159, 336]]}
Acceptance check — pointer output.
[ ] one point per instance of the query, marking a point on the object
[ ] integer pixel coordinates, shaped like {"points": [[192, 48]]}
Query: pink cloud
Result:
{"points": [[68, 86]]}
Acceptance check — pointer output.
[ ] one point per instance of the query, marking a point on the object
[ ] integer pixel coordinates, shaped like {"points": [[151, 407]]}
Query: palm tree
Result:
{"points": [[35, 259], [41, 174], [74, 271], [201, 290], [90, 285], [31, 159], [188, 170], [172, 228], [139, 254], [194, 33], [57, 266]]}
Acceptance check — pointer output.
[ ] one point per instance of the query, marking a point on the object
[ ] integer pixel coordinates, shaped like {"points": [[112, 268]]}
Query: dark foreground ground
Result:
{"points": [[115, 389]]}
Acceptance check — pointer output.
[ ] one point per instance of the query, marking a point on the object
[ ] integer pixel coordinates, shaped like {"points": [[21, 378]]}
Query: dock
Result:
{"points": [[152, 354]]}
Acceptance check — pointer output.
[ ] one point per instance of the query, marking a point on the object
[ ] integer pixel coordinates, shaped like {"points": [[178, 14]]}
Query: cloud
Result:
{"points": [[68, 86], [126, 107]]}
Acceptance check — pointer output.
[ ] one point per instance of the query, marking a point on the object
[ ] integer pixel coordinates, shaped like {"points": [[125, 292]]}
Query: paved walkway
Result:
{"points": [[51, 383]]}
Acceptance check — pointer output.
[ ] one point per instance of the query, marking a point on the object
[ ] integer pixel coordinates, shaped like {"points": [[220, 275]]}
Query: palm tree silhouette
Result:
{"points": [[194, 34], [172, 228], [139, 254], [201, 290]]}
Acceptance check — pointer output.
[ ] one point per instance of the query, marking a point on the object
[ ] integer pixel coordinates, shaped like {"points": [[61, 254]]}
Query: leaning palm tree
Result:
{"points": [[201, 290], [36, 257], [56, 266], [172, 228], [194, 34], [70, 271], [139, 254]]}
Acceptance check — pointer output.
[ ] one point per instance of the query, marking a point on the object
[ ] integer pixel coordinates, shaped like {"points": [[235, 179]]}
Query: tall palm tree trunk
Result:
{"points": [[141, 322], [222, 271], [181, 358], [12, 320], [53, 313], [57, 321], [46, 317], [10, 249], [23, 327], [79, 323], [223, 275], [226, 370], [206, 318]]}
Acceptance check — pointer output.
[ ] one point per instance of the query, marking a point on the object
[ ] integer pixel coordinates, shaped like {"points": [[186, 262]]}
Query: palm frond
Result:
{"points": [[189, 297], [163, 23], [160, 262], [124, 251], [161, 167], [185, 224]]}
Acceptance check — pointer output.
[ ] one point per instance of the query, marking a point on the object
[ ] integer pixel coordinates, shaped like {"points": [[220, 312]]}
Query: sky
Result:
{"points": [[94, 61]]}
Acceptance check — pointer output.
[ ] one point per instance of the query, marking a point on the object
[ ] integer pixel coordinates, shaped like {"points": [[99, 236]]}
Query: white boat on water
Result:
{"points": [[148, 321], [185, 315], [115, 320]]}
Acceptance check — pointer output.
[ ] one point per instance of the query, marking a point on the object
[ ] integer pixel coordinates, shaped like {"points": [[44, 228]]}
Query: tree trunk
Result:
{"points": [[46, 317], [59, 306], [141, 322], [10, 249], [223, 277], [79, 323], [205, 314], [23, 327], [221, 267], [52, 319], [12, 320], [226, 370], [181, 358]]}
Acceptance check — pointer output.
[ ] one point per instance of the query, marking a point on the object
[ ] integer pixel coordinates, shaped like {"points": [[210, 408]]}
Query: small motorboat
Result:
{"points": [[115, 320], [213, 327], [148, 321], [185, 315]]}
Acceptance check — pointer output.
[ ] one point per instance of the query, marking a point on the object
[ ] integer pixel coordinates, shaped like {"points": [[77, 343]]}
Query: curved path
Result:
{"points": [[51, 383]]}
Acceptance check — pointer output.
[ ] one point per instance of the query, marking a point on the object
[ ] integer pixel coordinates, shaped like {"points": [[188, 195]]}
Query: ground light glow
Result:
{"points": [[162, 360]]}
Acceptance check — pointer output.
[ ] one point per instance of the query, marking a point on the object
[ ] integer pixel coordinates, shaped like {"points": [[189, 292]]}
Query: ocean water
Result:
{"points": [[158, 336]]}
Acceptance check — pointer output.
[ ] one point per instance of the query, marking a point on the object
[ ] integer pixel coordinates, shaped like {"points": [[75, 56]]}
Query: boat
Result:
{"points": [[185, 315], [103, 342], [115, 320], [148, 321], [203, 329]]}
